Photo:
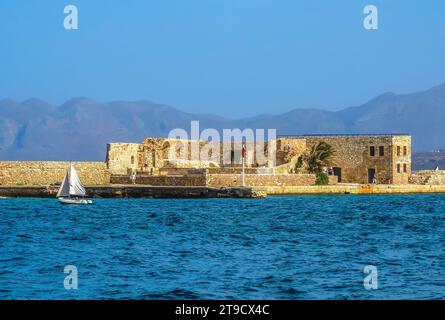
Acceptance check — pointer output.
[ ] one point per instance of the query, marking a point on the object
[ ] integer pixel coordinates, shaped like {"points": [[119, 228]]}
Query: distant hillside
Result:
{"points": [[80, 128], [428, 160]]}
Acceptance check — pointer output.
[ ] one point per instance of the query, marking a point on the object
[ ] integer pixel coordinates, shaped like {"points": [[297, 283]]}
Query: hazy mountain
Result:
{"points": [[429, 160], [80, 128]]}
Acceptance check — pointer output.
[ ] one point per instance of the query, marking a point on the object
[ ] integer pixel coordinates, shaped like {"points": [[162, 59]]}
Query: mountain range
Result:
{"points": [[80, 128]]}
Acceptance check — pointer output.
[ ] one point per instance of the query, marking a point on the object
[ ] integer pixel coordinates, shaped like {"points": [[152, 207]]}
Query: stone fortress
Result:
{"points": [[358, 159]]}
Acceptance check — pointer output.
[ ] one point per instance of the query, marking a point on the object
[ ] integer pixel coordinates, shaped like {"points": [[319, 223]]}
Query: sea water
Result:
{"points": [[287, 247]]}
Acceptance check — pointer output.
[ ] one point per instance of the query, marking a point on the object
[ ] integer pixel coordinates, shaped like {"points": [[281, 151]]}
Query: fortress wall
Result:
{"points": [[354, 189], [352, 155], [222, 180], [288, 151], [155, 153], [122, 157], [428, 177], [180, 171], [402, 159], [187, 181], [51, 172], [257, 180]]}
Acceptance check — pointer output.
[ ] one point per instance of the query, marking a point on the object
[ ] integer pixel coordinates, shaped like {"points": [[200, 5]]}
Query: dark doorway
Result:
{"points": [[337, 172], [371, 175]]}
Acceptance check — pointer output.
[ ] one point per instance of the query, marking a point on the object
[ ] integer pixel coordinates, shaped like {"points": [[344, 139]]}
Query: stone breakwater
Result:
{"points": [[140, 191], [428, 177], [355, 189], [135, 191]]}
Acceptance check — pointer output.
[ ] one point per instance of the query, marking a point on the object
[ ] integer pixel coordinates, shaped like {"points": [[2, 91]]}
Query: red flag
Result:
{"points": [[243, 153]]}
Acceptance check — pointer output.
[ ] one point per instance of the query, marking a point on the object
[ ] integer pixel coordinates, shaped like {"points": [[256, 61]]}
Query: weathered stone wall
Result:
{"points": [[231, 180], [355, 189], [221, 180], [428, 177], [191, 164], [187, 181], [51, 172], [238, 170], [401, 155], [179, 171], [122, 157], [155, 153], [288, 151], [353, 160], [228, 170], [333, 180]]}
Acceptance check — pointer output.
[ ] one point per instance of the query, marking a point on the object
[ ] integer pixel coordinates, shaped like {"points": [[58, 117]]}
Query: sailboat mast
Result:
{"points": [[69, 180]]}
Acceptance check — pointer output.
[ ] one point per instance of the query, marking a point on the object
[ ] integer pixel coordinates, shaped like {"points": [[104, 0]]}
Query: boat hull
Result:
{"points": [[74, 201]]}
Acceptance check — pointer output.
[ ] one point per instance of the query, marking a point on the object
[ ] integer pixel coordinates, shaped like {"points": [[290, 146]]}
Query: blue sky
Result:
{"points": [[228, 57]]}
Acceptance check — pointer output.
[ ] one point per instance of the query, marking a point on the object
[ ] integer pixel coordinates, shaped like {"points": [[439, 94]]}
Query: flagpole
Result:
{"points": [[243, 153]]}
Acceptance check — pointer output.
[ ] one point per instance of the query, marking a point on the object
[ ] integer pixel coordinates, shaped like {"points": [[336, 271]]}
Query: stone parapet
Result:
{"points": [[428, 177], [175, 180], [51, 172], [353, 189], [257, 180], [221, 180]]}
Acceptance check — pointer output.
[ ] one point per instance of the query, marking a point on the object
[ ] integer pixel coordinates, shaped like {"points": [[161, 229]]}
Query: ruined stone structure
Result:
{"points": [[428, 177], [358, 158], [122, 158], [155, 154]]}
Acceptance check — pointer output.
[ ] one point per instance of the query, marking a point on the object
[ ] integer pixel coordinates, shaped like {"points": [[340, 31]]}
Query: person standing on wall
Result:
{"points": [[133, 176]]}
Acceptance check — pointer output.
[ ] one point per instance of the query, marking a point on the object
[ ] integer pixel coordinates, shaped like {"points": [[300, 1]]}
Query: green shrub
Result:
{"points": [[299, 164], [321, 179]]}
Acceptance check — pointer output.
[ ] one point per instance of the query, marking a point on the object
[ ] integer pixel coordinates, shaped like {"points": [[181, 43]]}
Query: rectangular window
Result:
{"points": [[398, 150], [404, 168], [405, 150], [372, 151], [398, 168], [381, 151]]}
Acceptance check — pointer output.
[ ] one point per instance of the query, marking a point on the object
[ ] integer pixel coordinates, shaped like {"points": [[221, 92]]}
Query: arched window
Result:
{"points": [[132, 159]]}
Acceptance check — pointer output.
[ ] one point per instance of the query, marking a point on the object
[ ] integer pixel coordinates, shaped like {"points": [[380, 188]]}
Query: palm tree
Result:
{"points": [[320, 156]]}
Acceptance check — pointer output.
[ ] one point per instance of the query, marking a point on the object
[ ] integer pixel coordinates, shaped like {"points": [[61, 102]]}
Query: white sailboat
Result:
{"points": [[72, 191]]}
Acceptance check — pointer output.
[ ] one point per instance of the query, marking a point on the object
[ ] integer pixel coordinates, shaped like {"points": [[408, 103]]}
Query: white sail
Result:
{"points": [[64, 190], [76, 187]]}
